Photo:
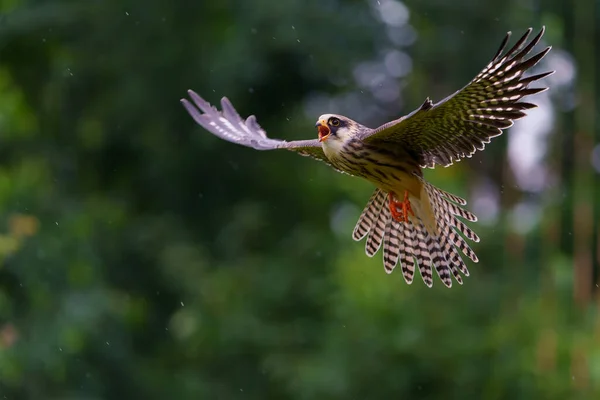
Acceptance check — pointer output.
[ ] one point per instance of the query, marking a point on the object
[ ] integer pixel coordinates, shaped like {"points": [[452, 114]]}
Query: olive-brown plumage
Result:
{"points": [[417, 224]]}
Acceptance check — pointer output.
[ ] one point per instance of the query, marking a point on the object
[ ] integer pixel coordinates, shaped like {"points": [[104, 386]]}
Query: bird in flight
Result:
{"points": [[417, 223]]}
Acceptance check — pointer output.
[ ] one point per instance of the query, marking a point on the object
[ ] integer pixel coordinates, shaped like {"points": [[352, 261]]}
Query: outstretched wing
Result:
{"points": [[228, 125], [464, 122]]}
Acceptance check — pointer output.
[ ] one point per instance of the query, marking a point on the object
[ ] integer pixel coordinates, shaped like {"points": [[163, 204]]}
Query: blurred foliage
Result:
{"points": [[141, 257]]}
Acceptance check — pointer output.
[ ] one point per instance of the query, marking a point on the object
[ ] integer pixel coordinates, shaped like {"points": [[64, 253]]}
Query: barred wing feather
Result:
{"points": [[464, 122]]}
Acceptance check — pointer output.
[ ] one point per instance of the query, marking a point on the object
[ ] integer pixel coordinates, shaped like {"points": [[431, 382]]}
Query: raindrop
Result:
{"points": [[126, 13], [182, 304]]}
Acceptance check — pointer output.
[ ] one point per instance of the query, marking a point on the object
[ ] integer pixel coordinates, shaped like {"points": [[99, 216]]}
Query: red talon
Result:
{"points": [[400, 209]]}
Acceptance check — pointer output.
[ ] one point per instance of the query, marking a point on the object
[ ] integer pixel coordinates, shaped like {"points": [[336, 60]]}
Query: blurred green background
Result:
{"points": [[142, 257]]}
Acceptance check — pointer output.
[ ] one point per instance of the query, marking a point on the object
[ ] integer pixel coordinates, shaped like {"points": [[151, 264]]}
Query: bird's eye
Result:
{"points": [[334, 122]]}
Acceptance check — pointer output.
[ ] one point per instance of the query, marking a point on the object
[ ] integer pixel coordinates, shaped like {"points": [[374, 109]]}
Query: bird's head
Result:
{"points": [[336, 128]]}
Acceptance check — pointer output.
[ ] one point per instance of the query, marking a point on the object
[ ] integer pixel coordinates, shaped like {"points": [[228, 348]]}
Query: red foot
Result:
{"points": [[400, 209]]}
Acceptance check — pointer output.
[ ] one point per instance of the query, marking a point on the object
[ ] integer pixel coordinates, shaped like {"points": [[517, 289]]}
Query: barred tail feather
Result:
{"points": [[375, 236], [454, 198], [369, 215], [449, 226], [411, 245], [441, 263], [406, 256], [392, 242], [422, 253]]}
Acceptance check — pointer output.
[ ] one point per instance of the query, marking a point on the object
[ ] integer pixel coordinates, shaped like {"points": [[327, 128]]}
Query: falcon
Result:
{"points": [[420, 226]]}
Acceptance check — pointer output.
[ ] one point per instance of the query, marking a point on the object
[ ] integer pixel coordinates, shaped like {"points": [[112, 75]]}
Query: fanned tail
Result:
{"points": [[411, 245]]}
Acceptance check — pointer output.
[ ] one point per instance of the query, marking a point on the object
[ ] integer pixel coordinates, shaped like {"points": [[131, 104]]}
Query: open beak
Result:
{"points": [[323, 129]]}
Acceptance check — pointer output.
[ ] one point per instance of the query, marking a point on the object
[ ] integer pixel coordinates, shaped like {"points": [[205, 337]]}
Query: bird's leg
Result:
{"points": [[396, 207], [400, 209], [406, 208]]}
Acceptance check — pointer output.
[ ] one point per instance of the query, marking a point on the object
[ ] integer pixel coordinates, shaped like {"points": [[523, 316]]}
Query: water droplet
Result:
{"points": [[182, 304]]}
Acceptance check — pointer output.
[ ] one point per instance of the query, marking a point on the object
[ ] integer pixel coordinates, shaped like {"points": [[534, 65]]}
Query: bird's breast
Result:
{"points": [[387, 169]]}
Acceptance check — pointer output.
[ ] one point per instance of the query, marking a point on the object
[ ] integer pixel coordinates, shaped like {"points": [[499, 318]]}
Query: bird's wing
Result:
{"points": [[228, 125], [464, 122]]}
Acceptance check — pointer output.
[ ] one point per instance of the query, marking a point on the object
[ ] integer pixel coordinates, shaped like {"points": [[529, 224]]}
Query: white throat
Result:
{"points": [[332, 147]]}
